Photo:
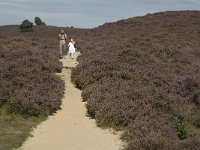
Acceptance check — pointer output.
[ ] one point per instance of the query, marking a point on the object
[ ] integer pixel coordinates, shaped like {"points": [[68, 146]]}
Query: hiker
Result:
{"points": [[71, 48], [62, 45]]}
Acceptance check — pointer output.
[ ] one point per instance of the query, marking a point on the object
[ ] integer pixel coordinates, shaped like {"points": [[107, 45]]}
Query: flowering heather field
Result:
{"points": [[29, 87], [29, 61], [143, 75]]}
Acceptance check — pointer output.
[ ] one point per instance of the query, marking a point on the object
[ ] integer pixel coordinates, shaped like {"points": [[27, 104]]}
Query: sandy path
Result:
{"points": [[69, 128]]}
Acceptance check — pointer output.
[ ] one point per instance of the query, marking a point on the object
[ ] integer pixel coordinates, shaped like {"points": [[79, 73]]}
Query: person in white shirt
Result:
{"points": [[71, 48]]}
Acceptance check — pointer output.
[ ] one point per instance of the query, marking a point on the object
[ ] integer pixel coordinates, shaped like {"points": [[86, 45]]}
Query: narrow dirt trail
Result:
{"points": [[69, 128]]}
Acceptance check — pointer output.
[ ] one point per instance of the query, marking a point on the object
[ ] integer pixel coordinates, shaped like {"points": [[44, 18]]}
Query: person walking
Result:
{"points": [[62, 44], [71, 48]]}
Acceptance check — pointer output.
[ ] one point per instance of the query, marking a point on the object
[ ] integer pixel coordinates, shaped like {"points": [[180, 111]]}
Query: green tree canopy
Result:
{"points": [[26, 26], [38, 21]]}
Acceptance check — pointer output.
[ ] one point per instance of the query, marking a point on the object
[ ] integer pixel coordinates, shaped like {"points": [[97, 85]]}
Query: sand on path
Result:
{"points": [[70, 128]]}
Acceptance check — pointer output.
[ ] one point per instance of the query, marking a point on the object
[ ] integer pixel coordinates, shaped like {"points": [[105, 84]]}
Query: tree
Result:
{"points": [[26, 26], [38, 21]]}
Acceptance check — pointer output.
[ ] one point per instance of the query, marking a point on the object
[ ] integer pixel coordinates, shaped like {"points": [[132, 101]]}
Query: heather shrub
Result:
{"points": [[45, 99], [29, 84], [153, 141], [34, 90], [3, 91], [26, 26], [142, 75]]}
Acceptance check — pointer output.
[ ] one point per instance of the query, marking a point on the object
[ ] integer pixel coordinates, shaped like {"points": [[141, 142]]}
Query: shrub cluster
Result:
{"points": [[28, 81], [26, 26], [142, 74]]}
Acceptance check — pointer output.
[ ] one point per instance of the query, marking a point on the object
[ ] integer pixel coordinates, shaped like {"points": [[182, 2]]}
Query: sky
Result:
{"points": [[85, 13]]}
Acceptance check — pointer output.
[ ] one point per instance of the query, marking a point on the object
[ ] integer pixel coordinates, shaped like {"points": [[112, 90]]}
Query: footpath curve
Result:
{"points": [[70, 128]]}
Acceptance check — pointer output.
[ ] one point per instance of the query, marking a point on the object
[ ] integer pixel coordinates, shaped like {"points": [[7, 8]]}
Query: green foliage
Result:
{"points": [[38, 21], [26, 26], [182, 131], [15, 129]]}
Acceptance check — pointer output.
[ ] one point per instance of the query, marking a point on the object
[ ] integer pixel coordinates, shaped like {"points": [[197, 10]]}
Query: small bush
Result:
{"points": [[26, 26], [38, 21], [182, 130]]}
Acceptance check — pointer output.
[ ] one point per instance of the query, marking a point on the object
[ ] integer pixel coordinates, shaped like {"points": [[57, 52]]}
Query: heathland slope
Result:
{"points": [[142, 75], [29, 63], [29, 87], [139, 74]]}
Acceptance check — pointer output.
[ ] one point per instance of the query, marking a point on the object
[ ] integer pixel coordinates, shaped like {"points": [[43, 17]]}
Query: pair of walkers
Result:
{"points": [[62, 45]]}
